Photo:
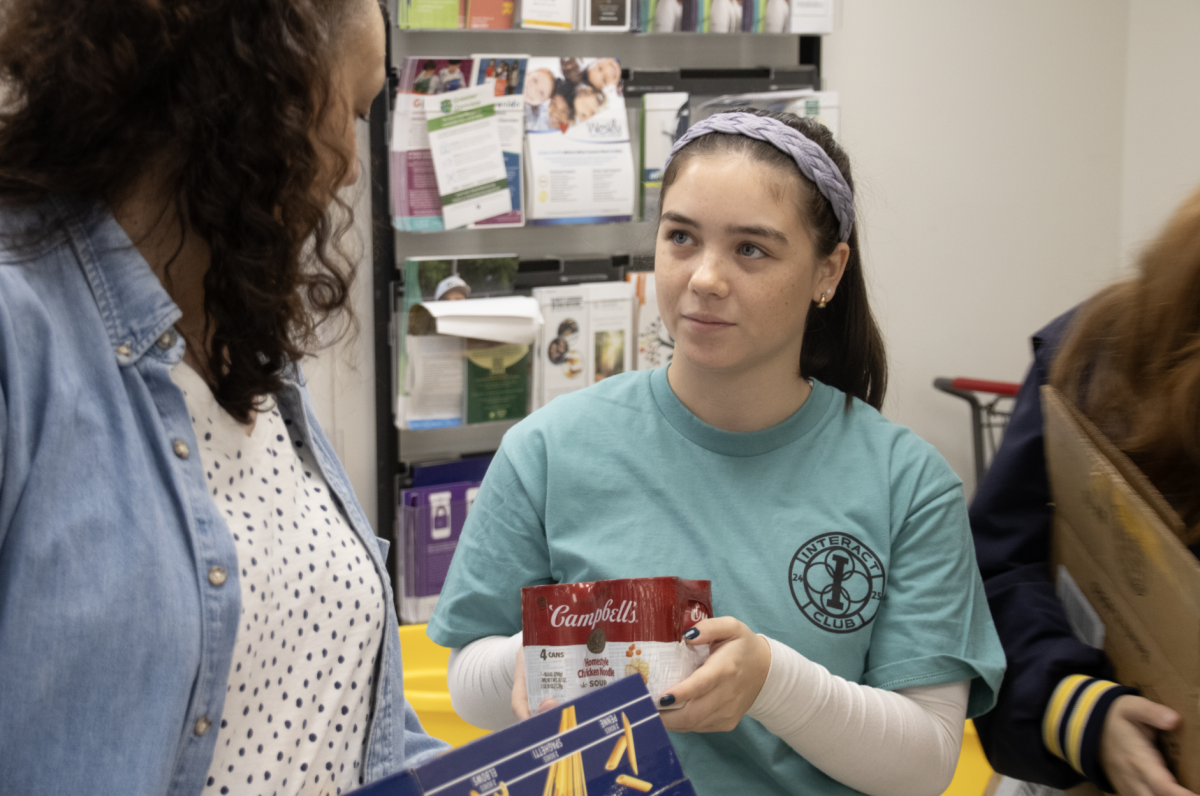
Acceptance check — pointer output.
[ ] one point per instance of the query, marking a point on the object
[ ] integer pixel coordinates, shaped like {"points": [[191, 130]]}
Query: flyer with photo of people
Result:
{"points": [[416, 205], [505, 73], [579, 161]]}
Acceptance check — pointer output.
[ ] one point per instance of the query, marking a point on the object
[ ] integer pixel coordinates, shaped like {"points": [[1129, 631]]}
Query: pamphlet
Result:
{"points": [[431, 521], [662, 16], [464, 139], [489, 14], [819, 105], [587, 336], [725, 16], [660, 125], [654, 343], [579, 160], [548, 14], [429, 14], [812, 16], [416, 206], [822, 106], [506, 75], [504, 72], [695, 16], [752, 15], [777, 16], [607, 15], [494, 335], [505, 319], [480, 276], [434, 383], [611, 319], [497, 381], [561, 364]]}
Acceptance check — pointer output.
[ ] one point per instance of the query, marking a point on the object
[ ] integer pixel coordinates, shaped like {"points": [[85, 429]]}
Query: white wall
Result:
{"points": [[341, 378], [1162, 116], [988, 141], [1009, 157]]}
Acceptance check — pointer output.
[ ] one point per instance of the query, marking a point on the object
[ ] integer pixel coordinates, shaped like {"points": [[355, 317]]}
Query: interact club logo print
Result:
{"points": [[837, 582]]}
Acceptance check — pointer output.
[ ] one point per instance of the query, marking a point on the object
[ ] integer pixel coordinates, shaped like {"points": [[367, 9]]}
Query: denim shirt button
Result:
{"points": [[165, 340], [181, 449], [202, 725], [124, 350], [216, 576]]}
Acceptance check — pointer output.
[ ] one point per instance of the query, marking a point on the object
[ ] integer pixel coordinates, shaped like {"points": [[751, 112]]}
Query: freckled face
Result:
{"points": [[734, 266]]}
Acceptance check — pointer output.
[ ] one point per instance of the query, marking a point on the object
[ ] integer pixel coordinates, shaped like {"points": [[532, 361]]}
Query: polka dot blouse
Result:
{"points": [[301, 681]]}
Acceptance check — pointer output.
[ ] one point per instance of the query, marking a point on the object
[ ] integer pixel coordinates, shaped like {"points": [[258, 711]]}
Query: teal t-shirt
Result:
{"points": [[835, 532]]}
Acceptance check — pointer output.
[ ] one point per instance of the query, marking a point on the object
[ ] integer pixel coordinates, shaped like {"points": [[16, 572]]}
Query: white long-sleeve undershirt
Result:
{"points": [[481, 678], [898, 743]]}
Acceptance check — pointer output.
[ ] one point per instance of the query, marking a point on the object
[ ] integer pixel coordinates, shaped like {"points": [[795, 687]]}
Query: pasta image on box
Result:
{"points": [[610, 742], [579, 637]]}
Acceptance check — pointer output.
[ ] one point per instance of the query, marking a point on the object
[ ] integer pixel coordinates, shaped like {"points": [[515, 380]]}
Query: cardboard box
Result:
{"points": [[580, 747], [1120, 543]]}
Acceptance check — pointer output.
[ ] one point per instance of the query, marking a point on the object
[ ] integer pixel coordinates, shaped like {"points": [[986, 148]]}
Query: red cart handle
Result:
{"points": [[1006, 388]]}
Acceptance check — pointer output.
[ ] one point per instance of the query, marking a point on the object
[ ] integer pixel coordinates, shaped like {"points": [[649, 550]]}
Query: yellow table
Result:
{"points": [[425, 688]]}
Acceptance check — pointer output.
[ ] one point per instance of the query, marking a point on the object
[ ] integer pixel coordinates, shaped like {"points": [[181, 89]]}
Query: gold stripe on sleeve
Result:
{"points": [[1079, 720], [1055, 709]]}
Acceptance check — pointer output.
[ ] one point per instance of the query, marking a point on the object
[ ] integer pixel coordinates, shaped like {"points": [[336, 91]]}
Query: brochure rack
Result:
{"points": [[396, 449]]}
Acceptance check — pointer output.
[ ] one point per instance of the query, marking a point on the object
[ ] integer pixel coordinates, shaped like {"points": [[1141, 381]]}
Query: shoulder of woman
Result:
{"points": [[908, 455], [601, 404]]}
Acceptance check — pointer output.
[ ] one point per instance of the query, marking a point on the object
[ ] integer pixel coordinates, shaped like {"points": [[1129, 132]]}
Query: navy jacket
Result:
{"points": [[1010, 520]]}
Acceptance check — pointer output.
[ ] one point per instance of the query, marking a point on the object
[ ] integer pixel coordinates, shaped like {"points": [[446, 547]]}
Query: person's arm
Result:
{"points": [[912, 736], [502, 548], [1054, 681], [1011, 521], [481, 677]]}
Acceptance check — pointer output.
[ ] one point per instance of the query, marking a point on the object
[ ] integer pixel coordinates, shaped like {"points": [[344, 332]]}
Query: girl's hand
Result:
{"points": [[1127, 751], [718, 694], [520, 695]]}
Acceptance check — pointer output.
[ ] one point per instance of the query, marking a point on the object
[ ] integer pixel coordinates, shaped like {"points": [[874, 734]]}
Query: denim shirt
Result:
{"points": [[119, 592]]}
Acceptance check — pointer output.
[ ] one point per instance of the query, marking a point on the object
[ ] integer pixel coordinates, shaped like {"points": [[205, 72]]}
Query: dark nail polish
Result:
{"points": [[667, 701], [691, 634]]}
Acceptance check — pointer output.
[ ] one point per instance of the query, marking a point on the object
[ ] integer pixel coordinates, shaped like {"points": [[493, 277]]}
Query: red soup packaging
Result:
{"points": [[582, 636]]}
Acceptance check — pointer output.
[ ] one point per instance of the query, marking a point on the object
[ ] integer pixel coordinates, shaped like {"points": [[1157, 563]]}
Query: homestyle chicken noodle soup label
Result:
{"points": [[583, 636]]}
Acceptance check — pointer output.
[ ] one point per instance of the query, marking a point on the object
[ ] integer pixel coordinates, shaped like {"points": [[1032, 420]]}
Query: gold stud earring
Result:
{"points": [[824, 300]]}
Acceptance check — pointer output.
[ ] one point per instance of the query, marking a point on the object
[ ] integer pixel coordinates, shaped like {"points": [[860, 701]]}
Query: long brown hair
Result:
{"points": [[1132, 362], [842, 343], [237, 93]]}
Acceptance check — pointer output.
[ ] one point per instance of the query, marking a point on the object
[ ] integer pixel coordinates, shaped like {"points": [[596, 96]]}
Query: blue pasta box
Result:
{"points": [[609, 742]]}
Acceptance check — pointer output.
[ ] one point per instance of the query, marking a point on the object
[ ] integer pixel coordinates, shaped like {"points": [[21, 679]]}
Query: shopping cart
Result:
{"points": [[991, 405]]}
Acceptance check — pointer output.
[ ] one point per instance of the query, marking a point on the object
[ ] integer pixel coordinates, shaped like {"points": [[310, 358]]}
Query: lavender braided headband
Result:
{"points": [[814, 163]]}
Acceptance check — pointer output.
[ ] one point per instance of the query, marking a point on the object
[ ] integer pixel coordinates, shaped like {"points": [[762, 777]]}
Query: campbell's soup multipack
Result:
{"points": [[582, 636]]}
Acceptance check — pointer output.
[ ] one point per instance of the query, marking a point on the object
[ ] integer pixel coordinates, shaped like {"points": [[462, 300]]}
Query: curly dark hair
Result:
{"points": [[843, 346], [237, 94]]}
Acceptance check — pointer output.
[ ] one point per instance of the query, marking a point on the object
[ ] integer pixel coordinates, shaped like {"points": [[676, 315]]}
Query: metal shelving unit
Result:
{"points": [[677, 50]]}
